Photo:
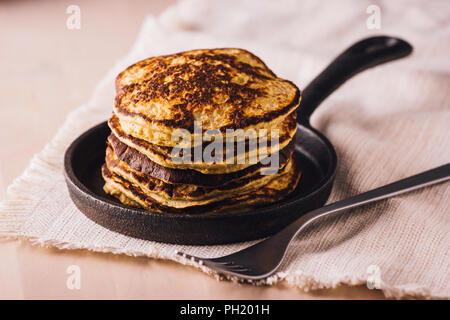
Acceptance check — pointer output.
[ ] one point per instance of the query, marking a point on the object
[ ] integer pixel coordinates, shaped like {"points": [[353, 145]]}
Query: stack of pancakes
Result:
{"points": [[151, 156]]}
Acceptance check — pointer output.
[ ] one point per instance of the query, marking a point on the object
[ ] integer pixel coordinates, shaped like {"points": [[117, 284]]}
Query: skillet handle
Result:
{"points": [[364, 54]]}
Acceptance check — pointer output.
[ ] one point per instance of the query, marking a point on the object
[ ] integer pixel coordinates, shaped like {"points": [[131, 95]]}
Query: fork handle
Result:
{"points": [[430, 177]]}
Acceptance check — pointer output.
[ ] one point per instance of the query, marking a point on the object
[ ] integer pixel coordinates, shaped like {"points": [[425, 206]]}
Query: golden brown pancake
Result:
{"points": [[274, 191], [162, 155], [184, 195], [219, 88], [142, 163]]}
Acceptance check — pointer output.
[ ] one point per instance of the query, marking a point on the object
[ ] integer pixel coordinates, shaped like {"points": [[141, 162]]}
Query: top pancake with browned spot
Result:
{"points": [[219, 88]]}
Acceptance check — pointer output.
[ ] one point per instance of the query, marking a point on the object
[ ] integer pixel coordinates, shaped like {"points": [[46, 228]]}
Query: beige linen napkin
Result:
{"points": [[386, 124]]}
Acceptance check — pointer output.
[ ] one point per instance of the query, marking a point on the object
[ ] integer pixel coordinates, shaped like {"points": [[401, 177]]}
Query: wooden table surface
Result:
{"points": [[47, 71]]}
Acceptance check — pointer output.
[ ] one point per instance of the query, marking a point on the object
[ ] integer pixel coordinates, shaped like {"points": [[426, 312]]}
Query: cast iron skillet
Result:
{"points": [[318, 162]]}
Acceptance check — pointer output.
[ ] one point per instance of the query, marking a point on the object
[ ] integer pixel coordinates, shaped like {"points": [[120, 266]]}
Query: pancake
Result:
{"points": [[219, 88], [140, 162], [274, 191], [222, 103], [183, 195], [164, 156]]}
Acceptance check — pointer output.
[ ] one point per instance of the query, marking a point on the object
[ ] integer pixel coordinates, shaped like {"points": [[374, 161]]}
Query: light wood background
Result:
{"points": [[47, 71]]}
